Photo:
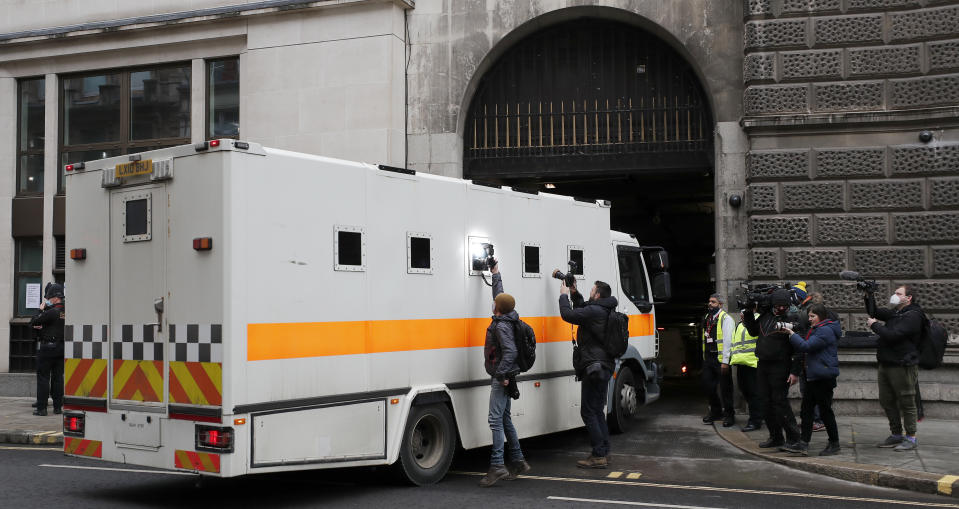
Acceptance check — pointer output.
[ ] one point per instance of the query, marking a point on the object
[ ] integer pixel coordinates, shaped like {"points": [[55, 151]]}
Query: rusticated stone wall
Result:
{"points": [[837, 92]]}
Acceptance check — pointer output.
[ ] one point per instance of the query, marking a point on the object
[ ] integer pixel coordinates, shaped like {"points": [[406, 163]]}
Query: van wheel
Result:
{"points": [[626, 400], [428, 444]]}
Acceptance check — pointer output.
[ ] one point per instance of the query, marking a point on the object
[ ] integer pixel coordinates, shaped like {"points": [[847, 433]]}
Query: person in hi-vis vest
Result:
{"points": [[718, 329], [743, 349]]}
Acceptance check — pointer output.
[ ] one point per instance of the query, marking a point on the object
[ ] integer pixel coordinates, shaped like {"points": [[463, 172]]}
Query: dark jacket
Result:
{"points": [[772, 344], [821, 350], [899, 337], [500, 348], [591, 317], [50, 334]]}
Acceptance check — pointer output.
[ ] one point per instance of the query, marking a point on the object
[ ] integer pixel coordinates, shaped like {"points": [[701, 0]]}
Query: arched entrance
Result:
{"points": [[602, 109]]}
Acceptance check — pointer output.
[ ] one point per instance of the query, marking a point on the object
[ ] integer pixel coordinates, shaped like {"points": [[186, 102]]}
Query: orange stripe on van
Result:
{"points": [[269, 341]]}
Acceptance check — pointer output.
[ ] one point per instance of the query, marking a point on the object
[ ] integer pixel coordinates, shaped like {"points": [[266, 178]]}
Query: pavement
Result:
{"points": [[932, 468]]}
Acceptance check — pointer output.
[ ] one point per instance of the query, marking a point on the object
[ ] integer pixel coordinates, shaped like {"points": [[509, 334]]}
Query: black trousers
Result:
{"points": [[773, 388], [49, 378], [819, 393], [746, 375], [592, 403], [712, 379]]}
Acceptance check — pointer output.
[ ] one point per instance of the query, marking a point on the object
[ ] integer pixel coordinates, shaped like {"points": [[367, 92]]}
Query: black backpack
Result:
{"points": [[932, 343], [525, 340], [616, 334]]}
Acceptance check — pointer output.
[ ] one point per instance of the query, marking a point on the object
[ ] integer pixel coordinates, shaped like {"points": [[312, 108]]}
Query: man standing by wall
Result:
{"points": [[743, 350], [718, 331], [898, 358]]}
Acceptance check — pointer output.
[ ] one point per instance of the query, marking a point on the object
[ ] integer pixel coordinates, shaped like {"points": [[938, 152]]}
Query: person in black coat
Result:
{"points": [[594, 365], [778, 369], [49, 325], [898, 356]]}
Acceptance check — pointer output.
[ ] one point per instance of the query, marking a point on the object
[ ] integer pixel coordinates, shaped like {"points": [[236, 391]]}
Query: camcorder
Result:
{"points": [[569, 277], [762, 295], [866, 286]]}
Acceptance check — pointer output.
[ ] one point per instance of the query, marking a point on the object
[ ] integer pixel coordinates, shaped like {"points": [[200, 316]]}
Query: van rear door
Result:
{"points": [[138, 236]]}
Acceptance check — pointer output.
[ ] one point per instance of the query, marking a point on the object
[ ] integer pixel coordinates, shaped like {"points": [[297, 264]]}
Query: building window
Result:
{"points": [[59, 261], [31, 101], [29, 268], [123, 112], [223, 98]]}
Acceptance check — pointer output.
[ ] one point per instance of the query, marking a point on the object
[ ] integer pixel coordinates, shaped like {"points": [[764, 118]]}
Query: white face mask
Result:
{"points": [[894, 300]]}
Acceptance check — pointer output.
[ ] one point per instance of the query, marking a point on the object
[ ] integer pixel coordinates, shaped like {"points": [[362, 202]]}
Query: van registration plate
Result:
{"points": [[134, 168]]}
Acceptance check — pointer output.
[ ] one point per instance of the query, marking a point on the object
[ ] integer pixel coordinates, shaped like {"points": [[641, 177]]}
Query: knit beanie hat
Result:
{"points": [[505, 303], [800, 289]]}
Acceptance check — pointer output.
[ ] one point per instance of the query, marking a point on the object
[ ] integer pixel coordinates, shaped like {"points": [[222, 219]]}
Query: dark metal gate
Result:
{"points": [[590, 97]]}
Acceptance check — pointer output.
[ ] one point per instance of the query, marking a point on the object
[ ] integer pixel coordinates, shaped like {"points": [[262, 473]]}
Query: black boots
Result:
{"points": [[831, 450]]}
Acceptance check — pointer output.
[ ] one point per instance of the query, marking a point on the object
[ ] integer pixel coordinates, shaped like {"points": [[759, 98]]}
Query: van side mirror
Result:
{"points": [[662, 288], [659, 261], [644, 306]]}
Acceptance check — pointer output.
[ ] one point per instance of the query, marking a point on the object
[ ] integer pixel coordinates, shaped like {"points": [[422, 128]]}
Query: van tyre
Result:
{"points": [[627, 396], [429, 441]]}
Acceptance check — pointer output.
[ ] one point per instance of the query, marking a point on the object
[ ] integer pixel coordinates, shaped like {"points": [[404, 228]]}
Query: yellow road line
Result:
{"points": [[945, 484], [6, 448], [721, 490]]}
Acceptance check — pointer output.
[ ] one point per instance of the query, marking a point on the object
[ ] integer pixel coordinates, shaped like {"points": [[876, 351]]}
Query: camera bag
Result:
{"points": [[525, 340], [932, 343], [616, 334]]}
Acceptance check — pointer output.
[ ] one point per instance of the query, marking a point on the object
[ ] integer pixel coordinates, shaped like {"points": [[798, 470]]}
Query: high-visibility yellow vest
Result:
{"points": [[743, 348], [719, 336]]}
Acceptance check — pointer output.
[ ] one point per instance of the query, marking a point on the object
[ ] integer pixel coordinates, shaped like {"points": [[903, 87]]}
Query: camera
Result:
{"points": [[762, 294], [483, 257], [785, 325], [869, 287], [569, 277]]}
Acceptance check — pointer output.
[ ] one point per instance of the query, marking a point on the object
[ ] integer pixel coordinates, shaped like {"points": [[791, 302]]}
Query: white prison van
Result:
{"points": [[236, 309]]}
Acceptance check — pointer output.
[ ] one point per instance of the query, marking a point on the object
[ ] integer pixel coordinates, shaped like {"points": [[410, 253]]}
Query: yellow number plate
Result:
{"points": [[134, 168]]}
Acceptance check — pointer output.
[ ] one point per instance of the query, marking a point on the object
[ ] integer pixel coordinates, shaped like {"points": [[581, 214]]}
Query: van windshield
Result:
{"points": [[632, 277]]}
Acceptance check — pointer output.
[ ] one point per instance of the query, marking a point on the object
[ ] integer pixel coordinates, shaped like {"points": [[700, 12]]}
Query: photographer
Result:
{"points": [[500, 355], [778, 368], [49, 325], [898, 358], [595, 366]]}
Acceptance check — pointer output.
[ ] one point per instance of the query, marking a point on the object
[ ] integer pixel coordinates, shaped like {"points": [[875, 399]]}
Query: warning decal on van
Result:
{"points": [[196, 383], [85, 378], [138, 380], [81, 447], [199, 461]]}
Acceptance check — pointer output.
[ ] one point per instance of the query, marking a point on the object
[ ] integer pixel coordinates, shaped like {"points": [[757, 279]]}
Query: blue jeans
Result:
{"points": [[592, 404], [501, 425]]}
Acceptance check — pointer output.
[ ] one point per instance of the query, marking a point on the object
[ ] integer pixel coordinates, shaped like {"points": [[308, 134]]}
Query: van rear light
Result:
{"points": [[74, 424], [74, 166], [214, 143], [216, 439], [78, 254], [203, 243]]}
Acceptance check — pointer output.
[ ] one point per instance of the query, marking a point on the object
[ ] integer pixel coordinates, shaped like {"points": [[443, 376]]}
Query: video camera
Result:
{"points": [[762, 294], [569, 277], [869, 287]]}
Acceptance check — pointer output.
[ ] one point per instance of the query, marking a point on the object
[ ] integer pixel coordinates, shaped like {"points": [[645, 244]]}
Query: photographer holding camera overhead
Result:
{"points": [[594, 366], [898, 357], [778, 366]]}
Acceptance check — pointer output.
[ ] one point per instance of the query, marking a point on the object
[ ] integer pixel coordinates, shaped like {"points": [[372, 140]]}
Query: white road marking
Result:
{"points": [[624, 502], [7, 448], [722, 490], [164, 472]]}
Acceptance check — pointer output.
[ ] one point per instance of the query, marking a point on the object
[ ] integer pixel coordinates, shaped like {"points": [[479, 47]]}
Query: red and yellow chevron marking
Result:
{"points": [[86, 378], [81, 447], [197, 461], [196, 383], [138, 380]]}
